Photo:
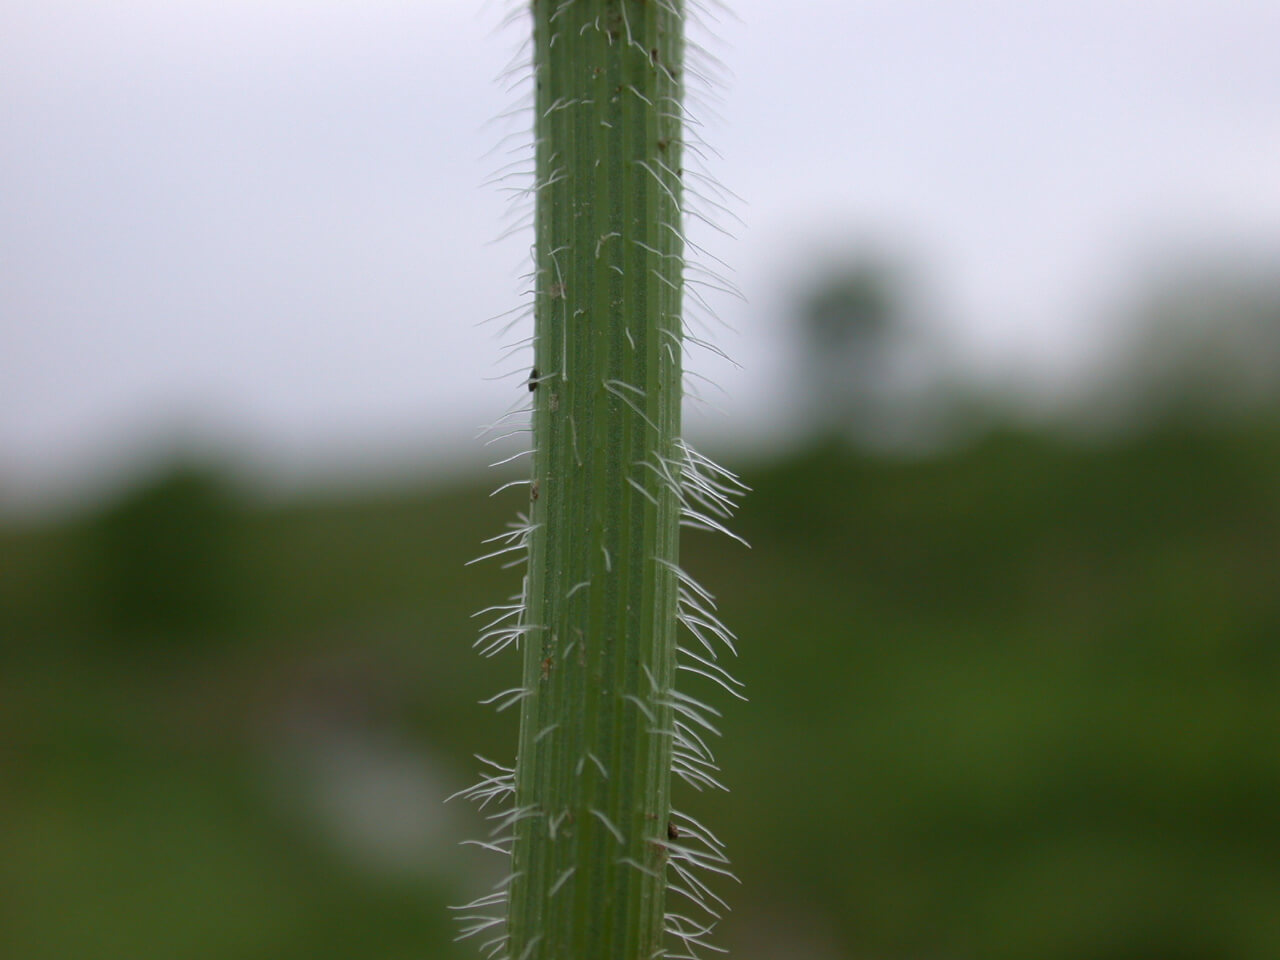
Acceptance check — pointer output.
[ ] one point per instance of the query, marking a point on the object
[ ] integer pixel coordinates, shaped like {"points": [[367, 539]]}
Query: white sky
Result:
{"points": [[262, 223]]}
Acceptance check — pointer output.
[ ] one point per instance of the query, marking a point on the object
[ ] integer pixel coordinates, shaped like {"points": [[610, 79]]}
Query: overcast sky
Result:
{"points": [[262, 222]]}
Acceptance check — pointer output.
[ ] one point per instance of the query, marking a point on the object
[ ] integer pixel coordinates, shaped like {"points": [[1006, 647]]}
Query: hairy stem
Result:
{"points": [[592, 801]]}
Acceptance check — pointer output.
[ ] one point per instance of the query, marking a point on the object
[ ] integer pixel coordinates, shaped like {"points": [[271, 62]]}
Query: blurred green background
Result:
{"points": [[1012, 696], [1010, 406]]}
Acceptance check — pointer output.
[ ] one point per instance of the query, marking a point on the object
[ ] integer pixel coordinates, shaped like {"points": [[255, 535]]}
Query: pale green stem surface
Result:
{"points": [[594, 766]]}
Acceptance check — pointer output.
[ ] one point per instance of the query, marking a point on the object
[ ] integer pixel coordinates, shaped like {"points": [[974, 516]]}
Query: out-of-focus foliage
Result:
{"points": [[1207, 342], [164, 562], [873, 367], [1026, 703], [1017, 700], [850, 321]]}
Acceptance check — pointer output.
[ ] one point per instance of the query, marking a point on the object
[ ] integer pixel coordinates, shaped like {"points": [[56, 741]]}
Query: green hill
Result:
{"points": [[1015, 701]]}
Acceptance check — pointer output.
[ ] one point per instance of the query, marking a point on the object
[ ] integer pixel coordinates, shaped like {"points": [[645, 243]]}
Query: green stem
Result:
{"points": [[594, 768], [590, 829]]}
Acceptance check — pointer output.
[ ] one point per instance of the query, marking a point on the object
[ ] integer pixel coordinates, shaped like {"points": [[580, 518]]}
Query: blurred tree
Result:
{"points": [[874, 371], [165, 558], [848, 322], [1207, 341]]}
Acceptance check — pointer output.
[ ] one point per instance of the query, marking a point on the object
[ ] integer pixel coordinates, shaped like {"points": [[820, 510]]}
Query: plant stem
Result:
{"points": [[594, 767], [589, 826]]}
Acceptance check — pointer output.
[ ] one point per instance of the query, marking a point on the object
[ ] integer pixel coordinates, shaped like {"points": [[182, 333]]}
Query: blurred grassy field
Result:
{"points": [[1016, 701]]}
